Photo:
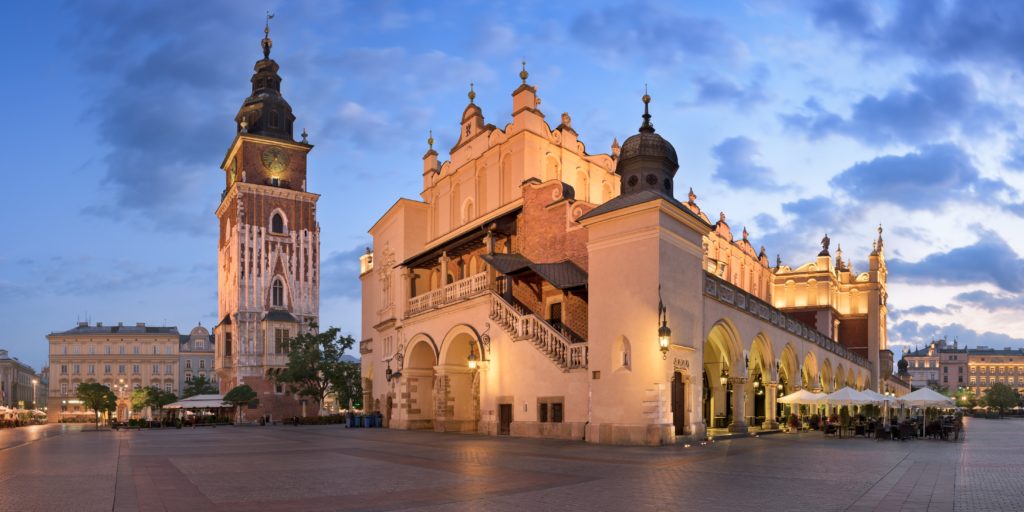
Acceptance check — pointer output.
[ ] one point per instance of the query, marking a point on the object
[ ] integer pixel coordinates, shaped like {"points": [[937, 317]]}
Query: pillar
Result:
{"points": [[771, 394], [739, 405]]}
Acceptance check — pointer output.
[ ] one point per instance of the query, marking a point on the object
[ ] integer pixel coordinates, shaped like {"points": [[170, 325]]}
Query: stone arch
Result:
{"points": [[552, 171], [724, 338], [762, 355], [722, 355], [582, 185], [789, 368], [809, 372], [622, 355], [851, 378], [452, 354], [827, 376], [468, 210], [457, 384], [840, 378]]}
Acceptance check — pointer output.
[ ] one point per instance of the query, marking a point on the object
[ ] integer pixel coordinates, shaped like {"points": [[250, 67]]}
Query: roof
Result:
{"points": [[626, 200], [199, 402], [280, 315], [83, 328], [563, 275]]}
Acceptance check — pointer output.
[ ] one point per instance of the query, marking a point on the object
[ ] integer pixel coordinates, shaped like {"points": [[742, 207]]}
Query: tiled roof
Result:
{"points": [[119, 329], [563, 275]]}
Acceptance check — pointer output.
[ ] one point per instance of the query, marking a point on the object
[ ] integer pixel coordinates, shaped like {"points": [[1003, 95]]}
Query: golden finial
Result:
{"points": [[647, 97], [430, 140], [523, 74], [472, 93], [646, 127]]}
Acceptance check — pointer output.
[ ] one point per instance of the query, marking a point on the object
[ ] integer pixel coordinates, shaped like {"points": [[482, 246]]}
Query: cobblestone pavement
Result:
{"points": [[332, 468]]}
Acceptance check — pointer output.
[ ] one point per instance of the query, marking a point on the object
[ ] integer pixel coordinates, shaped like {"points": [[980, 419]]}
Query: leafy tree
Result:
{"points": [[139, 399], [315, 361], [1001, 397], [239, 396], [97, 397], [199, 386], [348, 385], [158, 398]]}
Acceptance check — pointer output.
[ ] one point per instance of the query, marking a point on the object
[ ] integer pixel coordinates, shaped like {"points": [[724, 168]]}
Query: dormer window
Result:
{"points": [[277, 221]]}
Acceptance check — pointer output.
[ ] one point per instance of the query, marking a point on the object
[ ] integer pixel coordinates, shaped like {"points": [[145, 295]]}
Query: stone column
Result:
{"points": [[771, 393], [739, 405]]}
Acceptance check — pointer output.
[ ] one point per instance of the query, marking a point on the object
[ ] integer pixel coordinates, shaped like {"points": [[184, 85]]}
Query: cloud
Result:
{"points": [[738, 167], [339, 274], [991, 301], [655, 34], [989, 260], [909, 333], [713, 89], [922, 180], [941, 32], [1015, 159], [934, 107]]}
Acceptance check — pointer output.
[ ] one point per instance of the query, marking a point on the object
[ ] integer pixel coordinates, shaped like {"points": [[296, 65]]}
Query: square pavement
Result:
{"points": [[58, 467]]}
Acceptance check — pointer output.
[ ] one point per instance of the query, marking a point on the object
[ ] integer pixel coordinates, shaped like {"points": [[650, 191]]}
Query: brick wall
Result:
{"points": [[546, 230]]}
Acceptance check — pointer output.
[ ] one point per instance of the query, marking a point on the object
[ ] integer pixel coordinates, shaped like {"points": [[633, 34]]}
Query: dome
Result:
{"points": [[199, 331], [647, 161]]}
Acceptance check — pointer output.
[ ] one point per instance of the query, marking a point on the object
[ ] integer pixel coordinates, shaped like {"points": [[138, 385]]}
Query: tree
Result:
{"points": [[239, 396], [199, 386], [139, 399], [97, 397], [159, 398], [1001, 397], [348, 385], [315, 361]]}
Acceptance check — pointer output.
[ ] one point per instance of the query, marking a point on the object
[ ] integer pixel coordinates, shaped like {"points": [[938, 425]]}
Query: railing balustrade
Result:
{"points": [[521, 325], [454, 292]]}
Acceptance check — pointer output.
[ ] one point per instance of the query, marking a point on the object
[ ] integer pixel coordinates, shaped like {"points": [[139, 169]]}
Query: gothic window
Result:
{"points": [[277, 293], [277, 224], [227, 343], [281, 341]]}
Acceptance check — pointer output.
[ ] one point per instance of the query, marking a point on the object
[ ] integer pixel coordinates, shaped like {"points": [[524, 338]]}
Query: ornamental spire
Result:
{"points": [[646, 127], [472, 93], [524, 74], [267, 43]]}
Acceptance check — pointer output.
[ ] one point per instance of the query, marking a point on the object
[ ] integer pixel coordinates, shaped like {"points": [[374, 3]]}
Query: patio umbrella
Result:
{"points": [[847, 396], [802, 397], [877, 397], [925, 397]]}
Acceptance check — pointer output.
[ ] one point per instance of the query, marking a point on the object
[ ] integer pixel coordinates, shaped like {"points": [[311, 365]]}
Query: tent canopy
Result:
{"points": [[847, 396], [802, 397], [200, 402], [877, 397], [925, 397]]}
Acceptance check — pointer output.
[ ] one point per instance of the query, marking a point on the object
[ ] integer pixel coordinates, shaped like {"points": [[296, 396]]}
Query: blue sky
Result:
{"points": [[795, 118]]}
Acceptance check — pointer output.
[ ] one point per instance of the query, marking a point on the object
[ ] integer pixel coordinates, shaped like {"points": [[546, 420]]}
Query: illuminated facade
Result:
{"points": [[528, 290], [948, 365]]}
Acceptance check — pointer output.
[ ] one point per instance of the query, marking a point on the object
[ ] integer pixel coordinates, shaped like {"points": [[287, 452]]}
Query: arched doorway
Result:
{"points": [[457, 401], [417, 383], [721, 349], [678, 403]]}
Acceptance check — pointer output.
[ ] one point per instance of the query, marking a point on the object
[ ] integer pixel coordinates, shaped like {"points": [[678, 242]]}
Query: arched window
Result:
{"points": [[277, 293], [277, 224]]}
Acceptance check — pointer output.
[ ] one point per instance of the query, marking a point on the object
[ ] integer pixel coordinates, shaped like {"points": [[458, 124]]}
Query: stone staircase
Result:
{"points": [[521, 325]]}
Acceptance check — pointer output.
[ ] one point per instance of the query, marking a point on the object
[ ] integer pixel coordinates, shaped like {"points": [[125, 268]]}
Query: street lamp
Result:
{"points": [[724, 377], [34, 404], [472, 355], [664, 333]]}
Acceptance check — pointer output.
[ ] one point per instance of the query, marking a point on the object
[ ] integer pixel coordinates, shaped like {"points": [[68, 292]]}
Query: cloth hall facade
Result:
{"points": [[525, 293]]}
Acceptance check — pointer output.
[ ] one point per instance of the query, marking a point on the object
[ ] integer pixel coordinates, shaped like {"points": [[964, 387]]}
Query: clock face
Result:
{"points": [[234, 169], [274, 159]]}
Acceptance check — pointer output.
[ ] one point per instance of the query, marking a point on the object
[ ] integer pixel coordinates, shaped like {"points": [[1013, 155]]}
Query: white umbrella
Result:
{"points": [[847, 396], [925, 397], [802, 397], [877, 397]]}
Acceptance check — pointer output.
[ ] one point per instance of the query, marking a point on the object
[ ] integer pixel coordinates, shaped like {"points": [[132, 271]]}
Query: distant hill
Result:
{"points": [[349, 359]]}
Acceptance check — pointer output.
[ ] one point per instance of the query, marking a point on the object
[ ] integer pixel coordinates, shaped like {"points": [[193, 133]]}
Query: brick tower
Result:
{"points": [[268, 260]]}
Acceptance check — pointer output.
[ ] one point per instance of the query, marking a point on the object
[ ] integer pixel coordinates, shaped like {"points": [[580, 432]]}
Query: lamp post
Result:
{"points": [[471, 360], [34, 404]]}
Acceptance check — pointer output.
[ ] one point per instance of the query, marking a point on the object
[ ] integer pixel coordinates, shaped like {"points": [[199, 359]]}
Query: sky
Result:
{"points": [[795, 118]]}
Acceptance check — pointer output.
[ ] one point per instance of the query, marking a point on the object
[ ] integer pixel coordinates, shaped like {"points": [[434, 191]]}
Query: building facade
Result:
{"points": [[537, 289], [122, 357], [268, 259], [948, 365], [196, 356], [19, 384]]}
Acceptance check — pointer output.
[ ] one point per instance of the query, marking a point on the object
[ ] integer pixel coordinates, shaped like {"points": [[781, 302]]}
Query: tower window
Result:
{"points": [[273, 118], [277, 293], [277, 224]]}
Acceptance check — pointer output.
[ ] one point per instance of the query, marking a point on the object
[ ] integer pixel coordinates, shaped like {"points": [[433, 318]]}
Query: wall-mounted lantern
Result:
{"points": [[472, 355], [724, 377], [664, 333]]}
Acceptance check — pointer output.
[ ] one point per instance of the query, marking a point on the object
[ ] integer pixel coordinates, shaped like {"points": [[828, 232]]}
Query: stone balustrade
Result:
{"points": [[459, 290]]}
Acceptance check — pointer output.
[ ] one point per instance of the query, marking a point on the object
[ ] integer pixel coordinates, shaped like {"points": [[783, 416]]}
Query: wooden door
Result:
{"points": [[678, 403], [504, 419]]}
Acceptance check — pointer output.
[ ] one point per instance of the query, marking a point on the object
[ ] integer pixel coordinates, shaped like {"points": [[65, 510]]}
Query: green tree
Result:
{"points": [[199, 386], [348, 385], [159, 398], [239, 396], [1001, 397], [97, 397], [139, 399], [315, 361]]}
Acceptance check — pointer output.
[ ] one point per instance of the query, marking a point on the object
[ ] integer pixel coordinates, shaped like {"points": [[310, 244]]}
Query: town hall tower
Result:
{"points": [[268, 263]]}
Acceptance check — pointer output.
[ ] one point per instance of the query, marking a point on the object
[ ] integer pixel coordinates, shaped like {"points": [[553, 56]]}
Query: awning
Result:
{"points": [[803, 397], [563, 275], [200, 402]]}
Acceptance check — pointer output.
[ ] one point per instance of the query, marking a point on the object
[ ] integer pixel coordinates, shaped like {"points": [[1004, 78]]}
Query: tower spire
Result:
{"points": [[267, 43], [524, 74]]}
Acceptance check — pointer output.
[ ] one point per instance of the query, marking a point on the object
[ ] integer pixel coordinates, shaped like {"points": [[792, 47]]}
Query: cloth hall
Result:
{"points": [[538, 289]]}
